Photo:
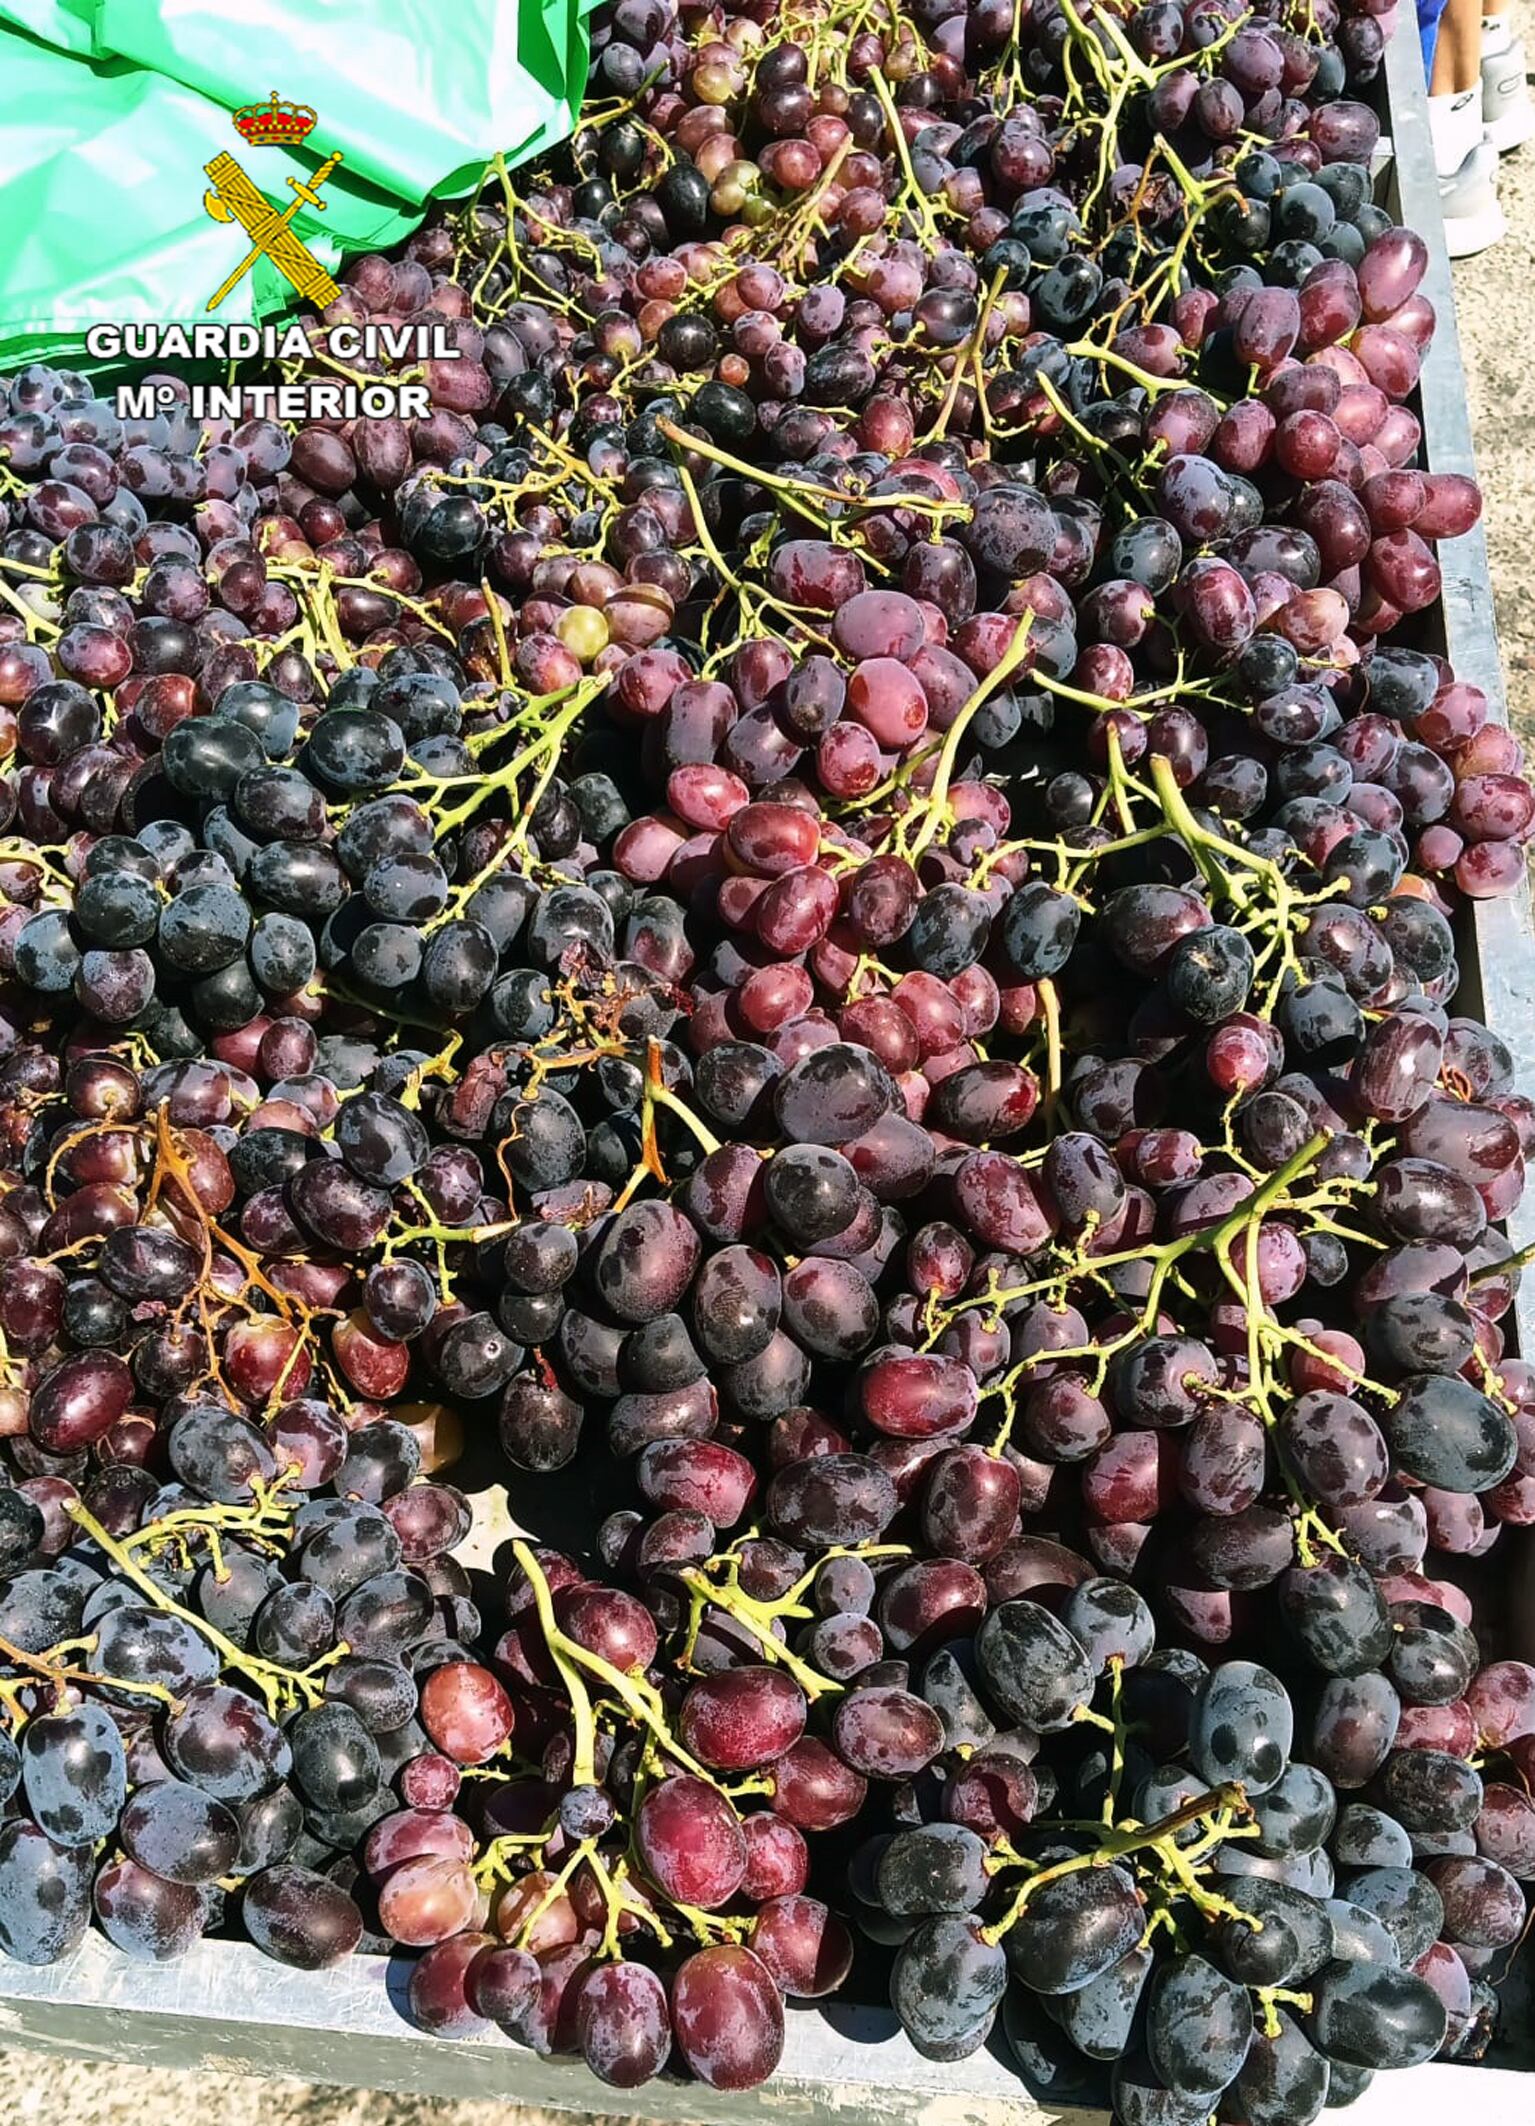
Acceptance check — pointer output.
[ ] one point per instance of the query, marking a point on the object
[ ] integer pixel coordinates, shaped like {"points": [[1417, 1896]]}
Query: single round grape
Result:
{"points": [[300, 1918], [1198, 2027], [743, 1718], [180, 1833], [45, 1894], [689, 1841], [1243, 1726], [946, 1984], [1033, 1665], [1284, 2079], [147, 1917], [1370, 2015], [935, 1868], [465, 1711], [74, 1774], [1407, 1905], [806, 1948], [225, 1743], [727, 2016], [623, 2025], [1074, 1929]]}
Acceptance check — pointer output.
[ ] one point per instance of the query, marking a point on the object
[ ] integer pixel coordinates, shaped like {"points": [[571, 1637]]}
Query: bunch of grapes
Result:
{"points": [[816, 927]]}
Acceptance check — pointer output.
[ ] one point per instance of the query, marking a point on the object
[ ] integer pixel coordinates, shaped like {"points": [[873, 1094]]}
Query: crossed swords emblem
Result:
{"points": [[233, 198]]}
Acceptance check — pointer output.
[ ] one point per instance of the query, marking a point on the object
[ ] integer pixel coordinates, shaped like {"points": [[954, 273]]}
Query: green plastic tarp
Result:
{"points": [[109, 110]]}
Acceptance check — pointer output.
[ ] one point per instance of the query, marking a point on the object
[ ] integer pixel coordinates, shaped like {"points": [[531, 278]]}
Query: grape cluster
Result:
{"points": [[816, 922]]}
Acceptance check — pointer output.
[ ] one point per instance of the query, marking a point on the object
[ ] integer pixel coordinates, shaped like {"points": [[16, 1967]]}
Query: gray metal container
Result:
{"points": [[225, 2006]]}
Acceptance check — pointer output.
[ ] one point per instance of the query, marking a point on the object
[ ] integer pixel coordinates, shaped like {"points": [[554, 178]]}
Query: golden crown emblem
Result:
{"points": [[275, 123]]}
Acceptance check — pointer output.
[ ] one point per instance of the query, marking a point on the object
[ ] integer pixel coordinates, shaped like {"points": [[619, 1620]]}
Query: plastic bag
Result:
{"points": [[110, 109]]}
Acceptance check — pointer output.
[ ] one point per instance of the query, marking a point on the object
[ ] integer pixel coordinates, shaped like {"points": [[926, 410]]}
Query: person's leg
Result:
{"points": [[1457, 51], [1455, 85], [1467, 165], [1507, 113]]}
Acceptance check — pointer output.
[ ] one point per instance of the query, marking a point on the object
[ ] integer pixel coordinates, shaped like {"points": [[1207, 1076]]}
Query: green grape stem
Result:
{"points": [[1117, 1845], [281, 1687], [574, 1662]]}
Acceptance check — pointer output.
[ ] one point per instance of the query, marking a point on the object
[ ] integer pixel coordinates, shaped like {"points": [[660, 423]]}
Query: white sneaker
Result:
{"points": [[1508, 116], [1473, 219]]}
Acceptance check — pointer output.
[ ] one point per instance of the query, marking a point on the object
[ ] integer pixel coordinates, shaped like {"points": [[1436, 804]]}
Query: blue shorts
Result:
{"points": [[1429, 12]]}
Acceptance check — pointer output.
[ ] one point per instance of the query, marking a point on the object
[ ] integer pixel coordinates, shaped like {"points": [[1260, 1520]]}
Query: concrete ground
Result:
{"points": [[44, 2091], [1496, 302]]}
